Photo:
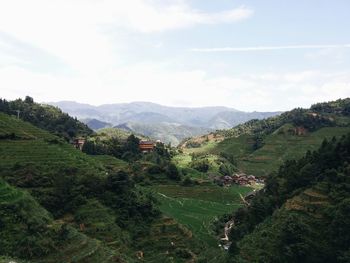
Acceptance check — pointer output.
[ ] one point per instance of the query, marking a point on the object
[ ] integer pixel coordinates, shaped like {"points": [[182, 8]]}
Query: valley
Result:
{"points": [[110, 202], [174, 131]]}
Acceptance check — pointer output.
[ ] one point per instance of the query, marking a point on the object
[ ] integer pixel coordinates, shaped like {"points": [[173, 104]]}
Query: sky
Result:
{"points": [[250, 55]]}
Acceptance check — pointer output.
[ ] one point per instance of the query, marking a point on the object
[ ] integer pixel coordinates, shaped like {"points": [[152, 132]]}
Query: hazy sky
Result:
{"points": [[250, 55]]}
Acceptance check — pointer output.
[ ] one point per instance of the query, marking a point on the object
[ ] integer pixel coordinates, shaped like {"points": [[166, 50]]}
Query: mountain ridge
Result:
{"points": [[118, 112], [194, 120]]}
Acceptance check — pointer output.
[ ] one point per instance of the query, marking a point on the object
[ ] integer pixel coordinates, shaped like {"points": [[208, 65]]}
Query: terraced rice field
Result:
{"points": [[197, 207], [111, 162], [11, 125], [44, 154], [77, 248], [166, 238], [23, 143], [280, 147]]}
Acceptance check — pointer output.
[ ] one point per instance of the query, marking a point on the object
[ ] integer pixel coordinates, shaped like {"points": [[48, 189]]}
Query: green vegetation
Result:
{"points": [[259, 147], [45, 117], [111, 203], [108, 133], [196, 207], [330, 114], [28, 231], [12, 128], [278, 147], [55, 191], [303, 214], [23, 224], [111, 163], [84, 208], [169, 241]]}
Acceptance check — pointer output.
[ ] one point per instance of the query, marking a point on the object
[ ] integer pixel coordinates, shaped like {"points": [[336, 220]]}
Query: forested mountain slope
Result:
{"points": [[303, 213], [45, 117], [58, 204]]}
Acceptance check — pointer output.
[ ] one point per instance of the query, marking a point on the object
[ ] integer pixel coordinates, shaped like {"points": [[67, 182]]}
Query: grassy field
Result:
{"points": [[196, 207]]}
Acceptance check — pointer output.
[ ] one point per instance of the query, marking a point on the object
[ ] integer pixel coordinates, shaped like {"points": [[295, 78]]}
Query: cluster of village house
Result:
{"points": [[238, 178]]}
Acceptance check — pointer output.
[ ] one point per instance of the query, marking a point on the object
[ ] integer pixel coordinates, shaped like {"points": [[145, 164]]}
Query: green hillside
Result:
{"points": [[259, 147], [32, 158], [107, 133], [197, 207], [45, 117], [86, 208], [23, 143], [10, 126], [29, 231], [303, 214], [58, 204], [277, 148]]}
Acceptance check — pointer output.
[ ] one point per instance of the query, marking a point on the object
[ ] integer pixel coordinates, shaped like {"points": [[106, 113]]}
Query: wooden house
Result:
{"points": [[146, 146]]}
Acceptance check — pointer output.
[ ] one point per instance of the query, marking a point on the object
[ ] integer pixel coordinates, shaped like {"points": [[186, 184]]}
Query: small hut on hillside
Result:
{"points": [[146, 146]]}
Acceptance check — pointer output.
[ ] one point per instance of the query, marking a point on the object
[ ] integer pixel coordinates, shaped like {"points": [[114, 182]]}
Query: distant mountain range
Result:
{"points": [[169, 124]]}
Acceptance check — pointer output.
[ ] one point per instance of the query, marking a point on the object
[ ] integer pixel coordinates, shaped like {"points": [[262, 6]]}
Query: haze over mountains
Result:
{"points": [[169, 124]]}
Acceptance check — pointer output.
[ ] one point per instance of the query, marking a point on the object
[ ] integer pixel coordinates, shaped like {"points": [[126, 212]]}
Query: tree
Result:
{"points": [[201, 165], [258, 141], [119, 182], [132, 144], [29, 100], [172, 172]]}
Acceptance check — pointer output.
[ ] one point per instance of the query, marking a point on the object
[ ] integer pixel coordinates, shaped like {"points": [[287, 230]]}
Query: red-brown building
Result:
{"points": [[146, 146]]}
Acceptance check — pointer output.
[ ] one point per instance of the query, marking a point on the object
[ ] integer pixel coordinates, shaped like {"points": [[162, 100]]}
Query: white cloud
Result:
{"points": [[151, 82], [268, 48], [141, 16], [79, 31]]}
